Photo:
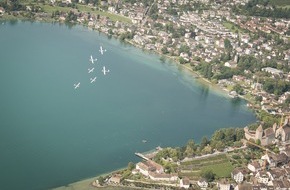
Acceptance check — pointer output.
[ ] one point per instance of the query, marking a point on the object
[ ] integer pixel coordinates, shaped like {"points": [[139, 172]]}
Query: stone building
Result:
{"points": [[269, 135]]}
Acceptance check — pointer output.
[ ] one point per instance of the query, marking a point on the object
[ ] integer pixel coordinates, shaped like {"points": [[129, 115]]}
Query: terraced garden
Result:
{"points": [[220, 166]]}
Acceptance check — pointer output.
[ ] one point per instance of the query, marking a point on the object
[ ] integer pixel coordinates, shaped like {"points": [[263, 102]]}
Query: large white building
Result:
{"points": [[155, 171]]}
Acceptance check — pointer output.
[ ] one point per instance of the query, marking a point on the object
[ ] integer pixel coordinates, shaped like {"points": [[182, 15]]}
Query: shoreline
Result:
{"points": [[86, 184], [195, 74]]}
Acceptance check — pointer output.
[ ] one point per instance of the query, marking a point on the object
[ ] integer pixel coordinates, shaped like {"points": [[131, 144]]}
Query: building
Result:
{"points": [[262, 177], [266, 137], [238, 174], [283, 132], [254, 166], [2, 11], [184, 183], [224, 185], [274, 160], [273, 71], [116, 179], [149, 166], [202, 183], [162, 176], [155, 171]]}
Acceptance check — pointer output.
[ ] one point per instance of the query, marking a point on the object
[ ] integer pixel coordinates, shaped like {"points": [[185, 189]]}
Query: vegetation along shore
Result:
{"points": [[242, 46]]}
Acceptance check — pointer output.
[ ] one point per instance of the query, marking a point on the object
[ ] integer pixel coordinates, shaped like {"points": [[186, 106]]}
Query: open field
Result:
{"points": [[281, 3], [233, 28], [220, 165], [113, 17], [83, 8]]}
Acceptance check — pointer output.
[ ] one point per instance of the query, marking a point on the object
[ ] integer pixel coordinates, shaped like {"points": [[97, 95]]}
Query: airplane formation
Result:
{"points": [[91, 70]]}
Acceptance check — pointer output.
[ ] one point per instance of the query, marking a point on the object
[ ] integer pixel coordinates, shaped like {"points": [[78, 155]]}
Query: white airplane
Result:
{"points": [[77, 85], [91, 70], [92, 59], [93, 79], [104, 70], [102, 50]]}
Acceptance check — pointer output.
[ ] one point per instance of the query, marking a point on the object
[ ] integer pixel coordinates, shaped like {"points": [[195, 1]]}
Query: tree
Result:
{"points": [[218, 135], [219, 146], [230, 135], [258, 98], [190, 148], [101, 180], [208, 175], [238, 144], [182, 60], [164, 50], [206, 70], [227, 44], [251, 144], [240, 134], [188, 151], [191, 144], [184, 48], [238, 88], [207, 149], [204, 142], [131, 166]]}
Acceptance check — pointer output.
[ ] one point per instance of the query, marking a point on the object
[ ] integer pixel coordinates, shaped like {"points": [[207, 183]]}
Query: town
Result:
{"points": [[244, 159], [243, 46]]}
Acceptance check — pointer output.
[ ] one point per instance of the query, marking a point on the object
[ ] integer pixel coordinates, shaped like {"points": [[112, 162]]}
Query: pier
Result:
{"points": [[141, 156], [148, 155]]}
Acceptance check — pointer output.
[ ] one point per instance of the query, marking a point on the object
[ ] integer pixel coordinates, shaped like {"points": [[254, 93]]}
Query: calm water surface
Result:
{"points": [[52, 134]]}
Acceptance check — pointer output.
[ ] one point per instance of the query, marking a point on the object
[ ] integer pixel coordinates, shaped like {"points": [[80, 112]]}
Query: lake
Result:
{"points": [[52, 134]]}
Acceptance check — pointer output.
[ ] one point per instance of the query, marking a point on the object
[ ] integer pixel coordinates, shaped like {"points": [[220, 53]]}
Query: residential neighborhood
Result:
{"points": [[263, 170]]}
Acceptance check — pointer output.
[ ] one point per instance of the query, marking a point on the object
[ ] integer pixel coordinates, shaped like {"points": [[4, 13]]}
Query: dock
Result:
{"points": [[148, 155], [141, 156]]}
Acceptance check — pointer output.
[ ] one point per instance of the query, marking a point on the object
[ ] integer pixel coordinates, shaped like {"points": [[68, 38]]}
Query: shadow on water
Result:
{"points": [[204, 91], [162, 59], [109, 37], [236, 104], [13, 22], [69, 25]]}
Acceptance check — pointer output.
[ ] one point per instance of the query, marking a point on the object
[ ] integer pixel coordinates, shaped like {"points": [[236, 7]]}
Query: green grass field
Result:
{"points": [[82, 8], [233, 28], [221, 170], [220, 165], [50, 9], [113, 17], [280, 2]]}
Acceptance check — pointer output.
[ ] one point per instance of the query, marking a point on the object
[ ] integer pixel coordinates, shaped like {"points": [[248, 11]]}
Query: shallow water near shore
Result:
{"points": [[52, 134]]}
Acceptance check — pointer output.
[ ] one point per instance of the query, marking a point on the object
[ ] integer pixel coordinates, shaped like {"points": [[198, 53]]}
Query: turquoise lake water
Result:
{"points": [[52, 134]]}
